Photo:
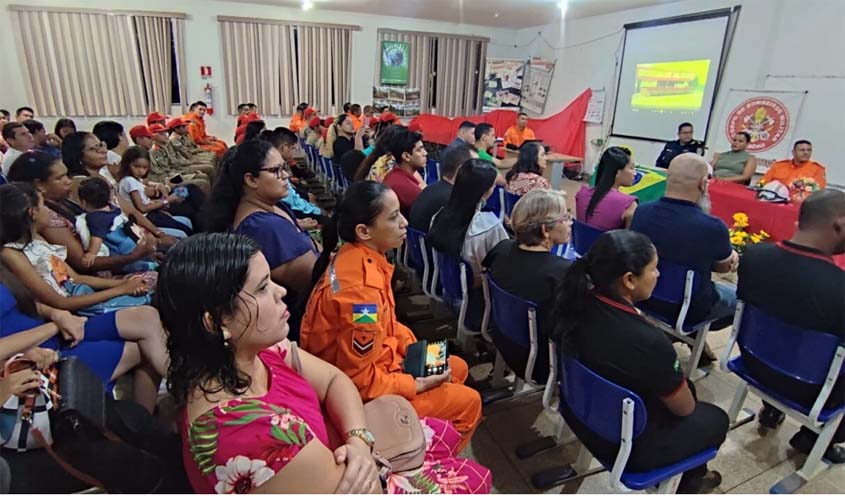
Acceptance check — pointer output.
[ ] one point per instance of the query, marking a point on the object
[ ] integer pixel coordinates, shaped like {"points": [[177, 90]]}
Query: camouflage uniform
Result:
{"points": [[188, 149]]}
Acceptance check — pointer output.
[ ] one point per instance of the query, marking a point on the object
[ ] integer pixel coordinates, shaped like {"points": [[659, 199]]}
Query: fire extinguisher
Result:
{"points": [[208, 97]]}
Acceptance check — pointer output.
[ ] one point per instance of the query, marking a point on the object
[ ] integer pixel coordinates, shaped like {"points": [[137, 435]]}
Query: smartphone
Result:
{"points": [[437, 358]]}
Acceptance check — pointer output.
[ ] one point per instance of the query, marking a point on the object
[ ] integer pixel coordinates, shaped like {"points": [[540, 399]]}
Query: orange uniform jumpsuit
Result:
{"points": [[297, 121], [196, 129], [369, 344], [516, 137]]}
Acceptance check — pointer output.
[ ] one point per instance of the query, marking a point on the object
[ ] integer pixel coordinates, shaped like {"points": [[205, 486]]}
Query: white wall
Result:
{"points": [[202, 48], [772, 37]]}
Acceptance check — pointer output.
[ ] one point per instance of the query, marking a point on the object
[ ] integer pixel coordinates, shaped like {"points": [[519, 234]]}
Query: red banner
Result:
{"points": [[564, 132]]}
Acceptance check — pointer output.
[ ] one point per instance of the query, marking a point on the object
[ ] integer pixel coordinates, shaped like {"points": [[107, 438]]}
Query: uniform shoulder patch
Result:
{"points": [[364, 313]]}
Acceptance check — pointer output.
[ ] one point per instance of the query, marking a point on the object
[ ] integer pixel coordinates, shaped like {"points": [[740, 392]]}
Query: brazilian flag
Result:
{"points": [[364, 313]]}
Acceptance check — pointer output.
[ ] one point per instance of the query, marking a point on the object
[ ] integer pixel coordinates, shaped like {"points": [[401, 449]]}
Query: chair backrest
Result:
{"points": [[672, 282], [511, 314], [432, 171], [797, 352], [583, 236], [340, 178], [596, 401], [510, 201], [559, 250], [496, 202], [414, 240], [449, 276]]}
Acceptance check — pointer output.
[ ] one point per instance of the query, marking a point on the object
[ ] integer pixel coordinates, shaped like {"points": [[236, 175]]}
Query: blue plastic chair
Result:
{"points": [[677, 285], [806, 355], [516, 319], [417, 256], [583, 237], [340, 180], [456, 277], [510, 201], [432, 171], [496, 202], [618, 416]]}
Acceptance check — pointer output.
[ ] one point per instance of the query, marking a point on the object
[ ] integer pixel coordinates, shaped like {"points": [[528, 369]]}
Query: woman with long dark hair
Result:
{"points": [[245, 199], [50, 178], [597, 322], [379, 161], [461, 229], [350, 320], [604, 206], [260, 415], [527, 173]]}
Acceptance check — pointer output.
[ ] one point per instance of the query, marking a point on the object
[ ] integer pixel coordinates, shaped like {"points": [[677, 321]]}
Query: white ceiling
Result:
{"points": [[507, 14]]}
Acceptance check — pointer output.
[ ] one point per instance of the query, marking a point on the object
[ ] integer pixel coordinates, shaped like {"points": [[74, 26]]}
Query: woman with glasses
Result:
{"points": [[85, 155], [604, 206], [245, 199], [527, 268]]}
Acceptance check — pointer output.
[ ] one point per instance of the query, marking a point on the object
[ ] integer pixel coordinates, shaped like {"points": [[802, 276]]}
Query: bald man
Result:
{"points": [[806, 289], [684, 233]]}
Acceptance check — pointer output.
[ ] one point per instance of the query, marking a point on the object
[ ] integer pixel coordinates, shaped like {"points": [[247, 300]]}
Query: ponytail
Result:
{"points": [[330, 242], [571, 302]]}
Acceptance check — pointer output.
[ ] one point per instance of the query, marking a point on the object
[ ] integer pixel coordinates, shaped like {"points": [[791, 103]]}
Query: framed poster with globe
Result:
{"points": [[394, 63]]}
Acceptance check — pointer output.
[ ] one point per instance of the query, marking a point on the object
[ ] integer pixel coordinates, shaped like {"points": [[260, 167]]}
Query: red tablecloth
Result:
{"points": [[778, 219]]}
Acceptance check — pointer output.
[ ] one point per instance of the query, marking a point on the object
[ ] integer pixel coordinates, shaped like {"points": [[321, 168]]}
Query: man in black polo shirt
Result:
{"points": [[684, 234], [434, 197], [684, 144], [798, 282]]}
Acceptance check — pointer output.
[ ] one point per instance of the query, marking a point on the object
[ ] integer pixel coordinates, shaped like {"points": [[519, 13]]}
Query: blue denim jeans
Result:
{"points": [[725, 307]]}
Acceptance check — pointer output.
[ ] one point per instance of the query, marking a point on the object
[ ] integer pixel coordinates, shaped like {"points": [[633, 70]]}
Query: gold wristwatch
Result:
{"points": [[364, 435]]}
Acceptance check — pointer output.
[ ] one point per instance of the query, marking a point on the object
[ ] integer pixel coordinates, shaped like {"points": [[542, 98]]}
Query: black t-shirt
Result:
{"points": [[802, 287], [432, 199], [340, 147], [533, 276], [625, 348]]}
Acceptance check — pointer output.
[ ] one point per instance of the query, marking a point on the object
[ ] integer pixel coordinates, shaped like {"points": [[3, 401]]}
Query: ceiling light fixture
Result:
{"points": [[564, 6], [307, 4]]}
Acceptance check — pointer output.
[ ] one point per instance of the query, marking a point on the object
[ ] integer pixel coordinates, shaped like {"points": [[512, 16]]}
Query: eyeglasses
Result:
{"points": [[96, 147], [566, 217], [277, 171]]}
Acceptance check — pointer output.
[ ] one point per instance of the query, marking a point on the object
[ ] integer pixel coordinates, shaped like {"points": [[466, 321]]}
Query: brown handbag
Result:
{"points": [[395, 425], [398, 432]]}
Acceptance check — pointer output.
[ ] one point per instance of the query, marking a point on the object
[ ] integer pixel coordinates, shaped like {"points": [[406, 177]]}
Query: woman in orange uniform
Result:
{"points": [[350, 320]]}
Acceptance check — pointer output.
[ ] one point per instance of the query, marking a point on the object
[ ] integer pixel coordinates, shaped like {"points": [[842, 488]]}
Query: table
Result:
{"points": [[780, 220], [651, 186]]}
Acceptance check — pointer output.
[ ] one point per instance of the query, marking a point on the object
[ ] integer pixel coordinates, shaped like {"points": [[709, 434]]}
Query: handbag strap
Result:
{"points": [[73, 471]]}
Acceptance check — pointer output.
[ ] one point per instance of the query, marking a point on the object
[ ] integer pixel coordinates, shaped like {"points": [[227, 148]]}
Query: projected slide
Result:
{"points": [[677, 86]]}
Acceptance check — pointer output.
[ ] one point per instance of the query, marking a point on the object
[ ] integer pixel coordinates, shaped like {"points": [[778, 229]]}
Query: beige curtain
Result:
{"points": [[87, 64], [259, 65], [154, 50], [420, 74], [459, 69], [324, 55], [179, 40]]}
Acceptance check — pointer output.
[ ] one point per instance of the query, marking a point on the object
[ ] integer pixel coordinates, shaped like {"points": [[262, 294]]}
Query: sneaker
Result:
{"points": [[803, 442], [770, 417]]}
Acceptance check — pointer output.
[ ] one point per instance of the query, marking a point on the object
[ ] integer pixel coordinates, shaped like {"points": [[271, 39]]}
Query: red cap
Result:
{"points": [[155, 128], [315, 122], [308, 112], [389, 117], [139, 131], [415, 126], [155, 116], [176, 122], [328, 121]]}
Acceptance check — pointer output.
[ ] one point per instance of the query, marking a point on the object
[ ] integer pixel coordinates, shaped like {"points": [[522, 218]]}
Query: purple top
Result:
{"points": [[608, 213]]}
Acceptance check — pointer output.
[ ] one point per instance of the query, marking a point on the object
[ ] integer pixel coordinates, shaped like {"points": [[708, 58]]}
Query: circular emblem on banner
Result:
{"points": [[764, 118]]}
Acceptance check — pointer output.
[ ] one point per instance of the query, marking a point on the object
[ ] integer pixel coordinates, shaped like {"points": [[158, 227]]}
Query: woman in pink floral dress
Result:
{"points": [[259, 414], [527, 173]]}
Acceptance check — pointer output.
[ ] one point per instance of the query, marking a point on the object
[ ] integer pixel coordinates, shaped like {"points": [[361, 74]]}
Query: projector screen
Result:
{"points": [[668, 76]]}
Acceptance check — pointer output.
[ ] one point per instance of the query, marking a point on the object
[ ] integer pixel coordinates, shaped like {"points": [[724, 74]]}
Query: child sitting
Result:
{"points": [[134, 168], [107, 224]]}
